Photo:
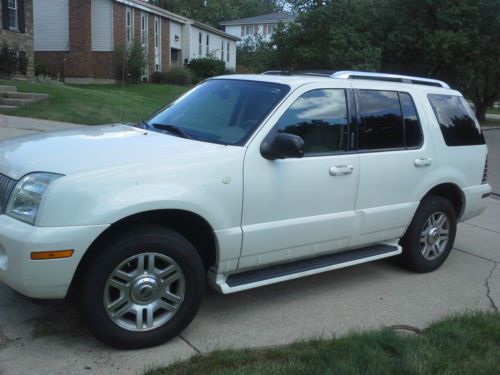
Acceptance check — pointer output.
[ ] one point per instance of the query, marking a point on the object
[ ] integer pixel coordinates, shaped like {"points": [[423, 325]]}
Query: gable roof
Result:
{"points": [[264, 18], [139, 4]]}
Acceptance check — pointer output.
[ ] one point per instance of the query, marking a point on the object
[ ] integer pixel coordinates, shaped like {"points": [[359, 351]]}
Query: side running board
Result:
{"points": [[310, 266]]}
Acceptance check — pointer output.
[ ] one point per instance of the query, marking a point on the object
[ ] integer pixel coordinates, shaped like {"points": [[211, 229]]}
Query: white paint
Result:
{"points": [[102, 25], [50, 25]]}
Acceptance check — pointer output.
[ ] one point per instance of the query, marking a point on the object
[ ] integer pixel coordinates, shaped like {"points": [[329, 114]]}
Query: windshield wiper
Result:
{"points": [[173, 129], [143, 124]]}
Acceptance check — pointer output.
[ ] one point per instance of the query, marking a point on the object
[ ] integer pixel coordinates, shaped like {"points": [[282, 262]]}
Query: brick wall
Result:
{"points": [[81, 62], [22, 41], [165, 44]]}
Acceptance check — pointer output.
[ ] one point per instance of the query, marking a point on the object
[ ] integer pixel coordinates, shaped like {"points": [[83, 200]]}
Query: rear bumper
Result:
{"points": [[475, 202], [45, 278]]}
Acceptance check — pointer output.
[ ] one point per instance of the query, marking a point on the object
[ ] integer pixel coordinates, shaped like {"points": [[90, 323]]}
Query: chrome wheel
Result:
{"points": [[435, 235], [144, 292]]}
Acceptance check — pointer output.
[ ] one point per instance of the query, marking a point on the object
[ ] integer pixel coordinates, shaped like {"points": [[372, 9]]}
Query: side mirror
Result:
{"points": [[282, 146]]}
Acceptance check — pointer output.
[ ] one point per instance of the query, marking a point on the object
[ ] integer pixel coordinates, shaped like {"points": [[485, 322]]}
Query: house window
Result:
{"points": [[222, 51], [248, 30], [200, 38], [228, 52], [157, 33], [129, 26], [144, 30], [272, 29], [208, 45], [13, 14]]}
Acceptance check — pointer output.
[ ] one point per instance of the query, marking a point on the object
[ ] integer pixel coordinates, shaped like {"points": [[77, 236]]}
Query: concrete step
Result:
{"points": [[25, 95], [8, 88], [8, 106], [15, 102]]}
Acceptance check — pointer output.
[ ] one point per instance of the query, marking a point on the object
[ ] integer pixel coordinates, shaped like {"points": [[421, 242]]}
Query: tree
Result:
{"points": [[214, 11]]}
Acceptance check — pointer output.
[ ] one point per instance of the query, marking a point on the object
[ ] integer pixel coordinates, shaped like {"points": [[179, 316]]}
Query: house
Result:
{"points": [[17, 34], [263, 27], [80, 40]]}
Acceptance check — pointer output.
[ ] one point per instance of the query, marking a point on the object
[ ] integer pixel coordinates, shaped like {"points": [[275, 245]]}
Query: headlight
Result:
{"points": [[26, 197]]}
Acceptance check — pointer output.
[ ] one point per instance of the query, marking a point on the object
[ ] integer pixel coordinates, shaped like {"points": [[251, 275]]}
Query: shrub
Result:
{"points": [[40, 69], [9, 60], [130, 63], [176, 75], [206, 67]]}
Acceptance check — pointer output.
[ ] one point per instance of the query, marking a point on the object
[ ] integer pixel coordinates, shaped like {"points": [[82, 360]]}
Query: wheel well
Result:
{"points": [[452, 193], [192, 226]]}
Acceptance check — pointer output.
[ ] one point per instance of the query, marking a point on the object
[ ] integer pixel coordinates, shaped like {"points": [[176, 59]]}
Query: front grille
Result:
{"points": [[6, 186]]}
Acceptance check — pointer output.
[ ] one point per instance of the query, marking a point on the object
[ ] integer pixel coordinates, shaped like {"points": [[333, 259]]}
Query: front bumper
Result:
{"points": [[41, 278]]}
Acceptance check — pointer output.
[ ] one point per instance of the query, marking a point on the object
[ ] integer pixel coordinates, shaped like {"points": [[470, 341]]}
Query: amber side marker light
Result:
{"points": [[44, 255]]}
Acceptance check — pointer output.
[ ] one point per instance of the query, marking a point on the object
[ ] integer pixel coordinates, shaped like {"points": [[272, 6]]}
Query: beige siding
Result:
{"points": [[51, 25], [102, 25]]}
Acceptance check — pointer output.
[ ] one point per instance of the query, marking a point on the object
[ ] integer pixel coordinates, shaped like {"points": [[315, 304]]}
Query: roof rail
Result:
{"points": [[389, 77]]}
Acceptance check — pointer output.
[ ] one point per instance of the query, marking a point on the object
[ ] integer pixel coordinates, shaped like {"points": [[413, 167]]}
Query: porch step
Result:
{"points": [[288, 271], [8, 88], [25, 95], [8, 106], [15, 102]]}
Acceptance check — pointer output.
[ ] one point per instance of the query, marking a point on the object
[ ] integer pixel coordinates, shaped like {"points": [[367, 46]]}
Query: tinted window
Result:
{"points": [[413, 131], [456, 120], [381, 125], [221, 111], [320, 118]]}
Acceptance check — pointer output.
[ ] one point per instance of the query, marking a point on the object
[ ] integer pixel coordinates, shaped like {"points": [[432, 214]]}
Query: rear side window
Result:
{"points": [[388, 120], [456, 120]]}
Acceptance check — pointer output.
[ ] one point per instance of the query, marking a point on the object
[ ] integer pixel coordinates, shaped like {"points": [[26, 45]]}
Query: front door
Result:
{"points": [[297, 208]]}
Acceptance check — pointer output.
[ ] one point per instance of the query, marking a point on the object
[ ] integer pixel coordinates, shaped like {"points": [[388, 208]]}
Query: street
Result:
{"points": [[50, 338]]}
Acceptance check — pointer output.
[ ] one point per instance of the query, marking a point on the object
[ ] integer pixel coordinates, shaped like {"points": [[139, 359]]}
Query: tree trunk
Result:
{"points": [[481, 109]]}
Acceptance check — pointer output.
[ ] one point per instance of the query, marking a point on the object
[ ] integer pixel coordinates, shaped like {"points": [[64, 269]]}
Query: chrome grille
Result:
{"points": [[6, 186]]}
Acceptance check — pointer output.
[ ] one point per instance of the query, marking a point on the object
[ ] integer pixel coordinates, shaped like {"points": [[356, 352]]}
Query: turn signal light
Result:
{"points": [[44, 255]]}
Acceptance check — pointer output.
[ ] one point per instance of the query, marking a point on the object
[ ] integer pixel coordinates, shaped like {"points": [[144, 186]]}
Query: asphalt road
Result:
{"points": [[51, 339]]}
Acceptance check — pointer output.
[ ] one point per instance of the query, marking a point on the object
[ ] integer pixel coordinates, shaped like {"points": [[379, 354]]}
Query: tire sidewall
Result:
{"points": [[162, 242], [412, 256]]}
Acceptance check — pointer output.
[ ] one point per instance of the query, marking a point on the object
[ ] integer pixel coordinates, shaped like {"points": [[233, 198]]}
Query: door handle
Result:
{"points": [[341, 170], [423, 162]]}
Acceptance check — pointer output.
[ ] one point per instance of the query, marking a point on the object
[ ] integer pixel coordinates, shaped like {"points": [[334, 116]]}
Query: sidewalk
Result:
{"points": [[11, 126]]}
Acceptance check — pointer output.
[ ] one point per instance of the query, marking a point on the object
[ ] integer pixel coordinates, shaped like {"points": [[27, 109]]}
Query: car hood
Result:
{"points": [[76, 150]]}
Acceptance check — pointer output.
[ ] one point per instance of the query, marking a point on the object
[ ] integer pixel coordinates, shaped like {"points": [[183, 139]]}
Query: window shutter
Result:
{"points": [[5, 14], [242, 30], [21, 19]]}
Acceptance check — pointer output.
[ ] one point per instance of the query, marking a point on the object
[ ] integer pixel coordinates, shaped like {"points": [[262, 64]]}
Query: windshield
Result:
{"points": [[220, 111]]}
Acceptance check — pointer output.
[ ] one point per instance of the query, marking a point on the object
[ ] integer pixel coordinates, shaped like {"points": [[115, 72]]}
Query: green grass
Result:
{"points": [[94, 104], [463, 344], [490, 122]]}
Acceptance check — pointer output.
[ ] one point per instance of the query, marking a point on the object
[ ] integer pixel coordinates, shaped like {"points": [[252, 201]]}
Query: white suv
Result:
{"points": [[246, 180]]}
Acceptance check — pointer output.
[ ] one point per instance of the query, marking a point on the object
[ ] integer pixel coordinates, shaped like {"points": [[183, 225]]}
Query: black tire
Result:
{"points": [[413, 250], [127, 244]]}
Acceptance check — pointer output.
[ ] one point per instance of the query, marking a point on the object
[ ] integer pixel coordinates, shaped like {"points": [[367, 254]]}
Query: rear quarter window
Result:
{"points": [[458, 123]]}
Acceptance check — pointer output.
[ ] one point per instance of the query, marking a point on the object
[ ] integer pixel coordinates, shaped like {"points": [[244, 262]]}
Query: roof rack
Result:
{"points": [[390, 78], [347, 74]]}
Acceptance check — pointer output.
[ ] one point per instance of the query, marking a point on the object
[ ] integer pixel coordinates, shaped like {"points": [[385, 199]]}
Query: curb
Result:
{"points": [[488, 128]]}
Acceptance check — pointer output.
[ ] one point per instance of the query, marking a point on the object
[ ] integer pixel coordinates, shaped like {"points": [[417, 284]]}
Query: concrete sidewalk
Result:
{"points": [[51, 339], [11, 126]]}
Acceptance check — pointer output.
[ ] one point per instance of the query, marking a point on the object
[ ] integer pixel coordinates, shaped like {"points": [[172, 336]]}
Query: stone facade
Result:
{"points": [[16, 38]]}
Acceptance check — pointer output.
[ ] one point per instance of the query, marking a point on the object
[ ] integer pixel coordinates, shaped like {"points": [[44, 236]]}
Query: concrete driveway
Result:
{"points": [[50, 338]]}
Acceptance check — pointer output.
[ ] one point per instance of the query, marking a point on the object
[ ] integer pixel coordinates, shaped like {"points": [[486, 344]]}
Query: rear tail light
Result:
{"points": [[485, 172]]}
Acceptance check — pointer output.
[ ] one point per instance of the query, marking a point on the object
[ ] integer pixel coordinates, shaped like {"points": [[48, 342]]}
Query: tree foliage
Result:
{"points": [[453, 40], [214, 11]]}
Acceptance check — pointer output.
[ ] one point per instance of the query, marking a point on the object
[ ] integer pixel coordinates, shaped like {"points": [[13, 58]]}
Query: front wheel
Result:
{"points": [[430, 235], [143, 288]]}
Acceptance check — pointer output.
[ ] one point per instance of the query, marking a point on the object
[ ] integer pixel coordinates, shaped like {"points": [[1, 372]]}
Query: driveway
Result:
{"points": [[50, 338]]}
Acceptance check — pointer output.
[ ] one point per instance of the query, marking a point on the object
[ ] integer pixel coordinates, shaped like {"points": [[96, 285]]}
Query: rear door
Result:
{"points": [[395, 161]]}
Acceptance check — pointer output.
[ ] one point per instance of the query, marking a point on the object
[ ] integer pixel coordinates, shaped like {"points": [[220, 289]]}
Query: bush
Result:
{"points": [[130, 63], [176, 75], [40, 69], [205, 68], [10, 61]]}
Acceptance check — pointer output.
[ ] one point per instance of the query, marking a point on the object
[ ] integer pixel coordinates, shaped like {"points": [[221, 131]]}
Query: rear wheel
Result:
{"points": [[143, 289], [430, 235]]}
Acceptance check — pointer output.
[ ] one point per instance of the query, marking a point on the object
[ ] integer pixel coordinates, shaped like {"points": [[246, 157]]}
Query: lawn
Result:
{"points": [[94, 104], [463, 344]]}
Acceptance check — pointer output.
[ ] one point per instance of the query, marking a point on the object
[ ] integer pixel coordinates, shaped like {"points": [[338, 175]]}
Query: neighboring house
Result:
{"points": [[78, 39], [262, 26], [17, 33]]}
